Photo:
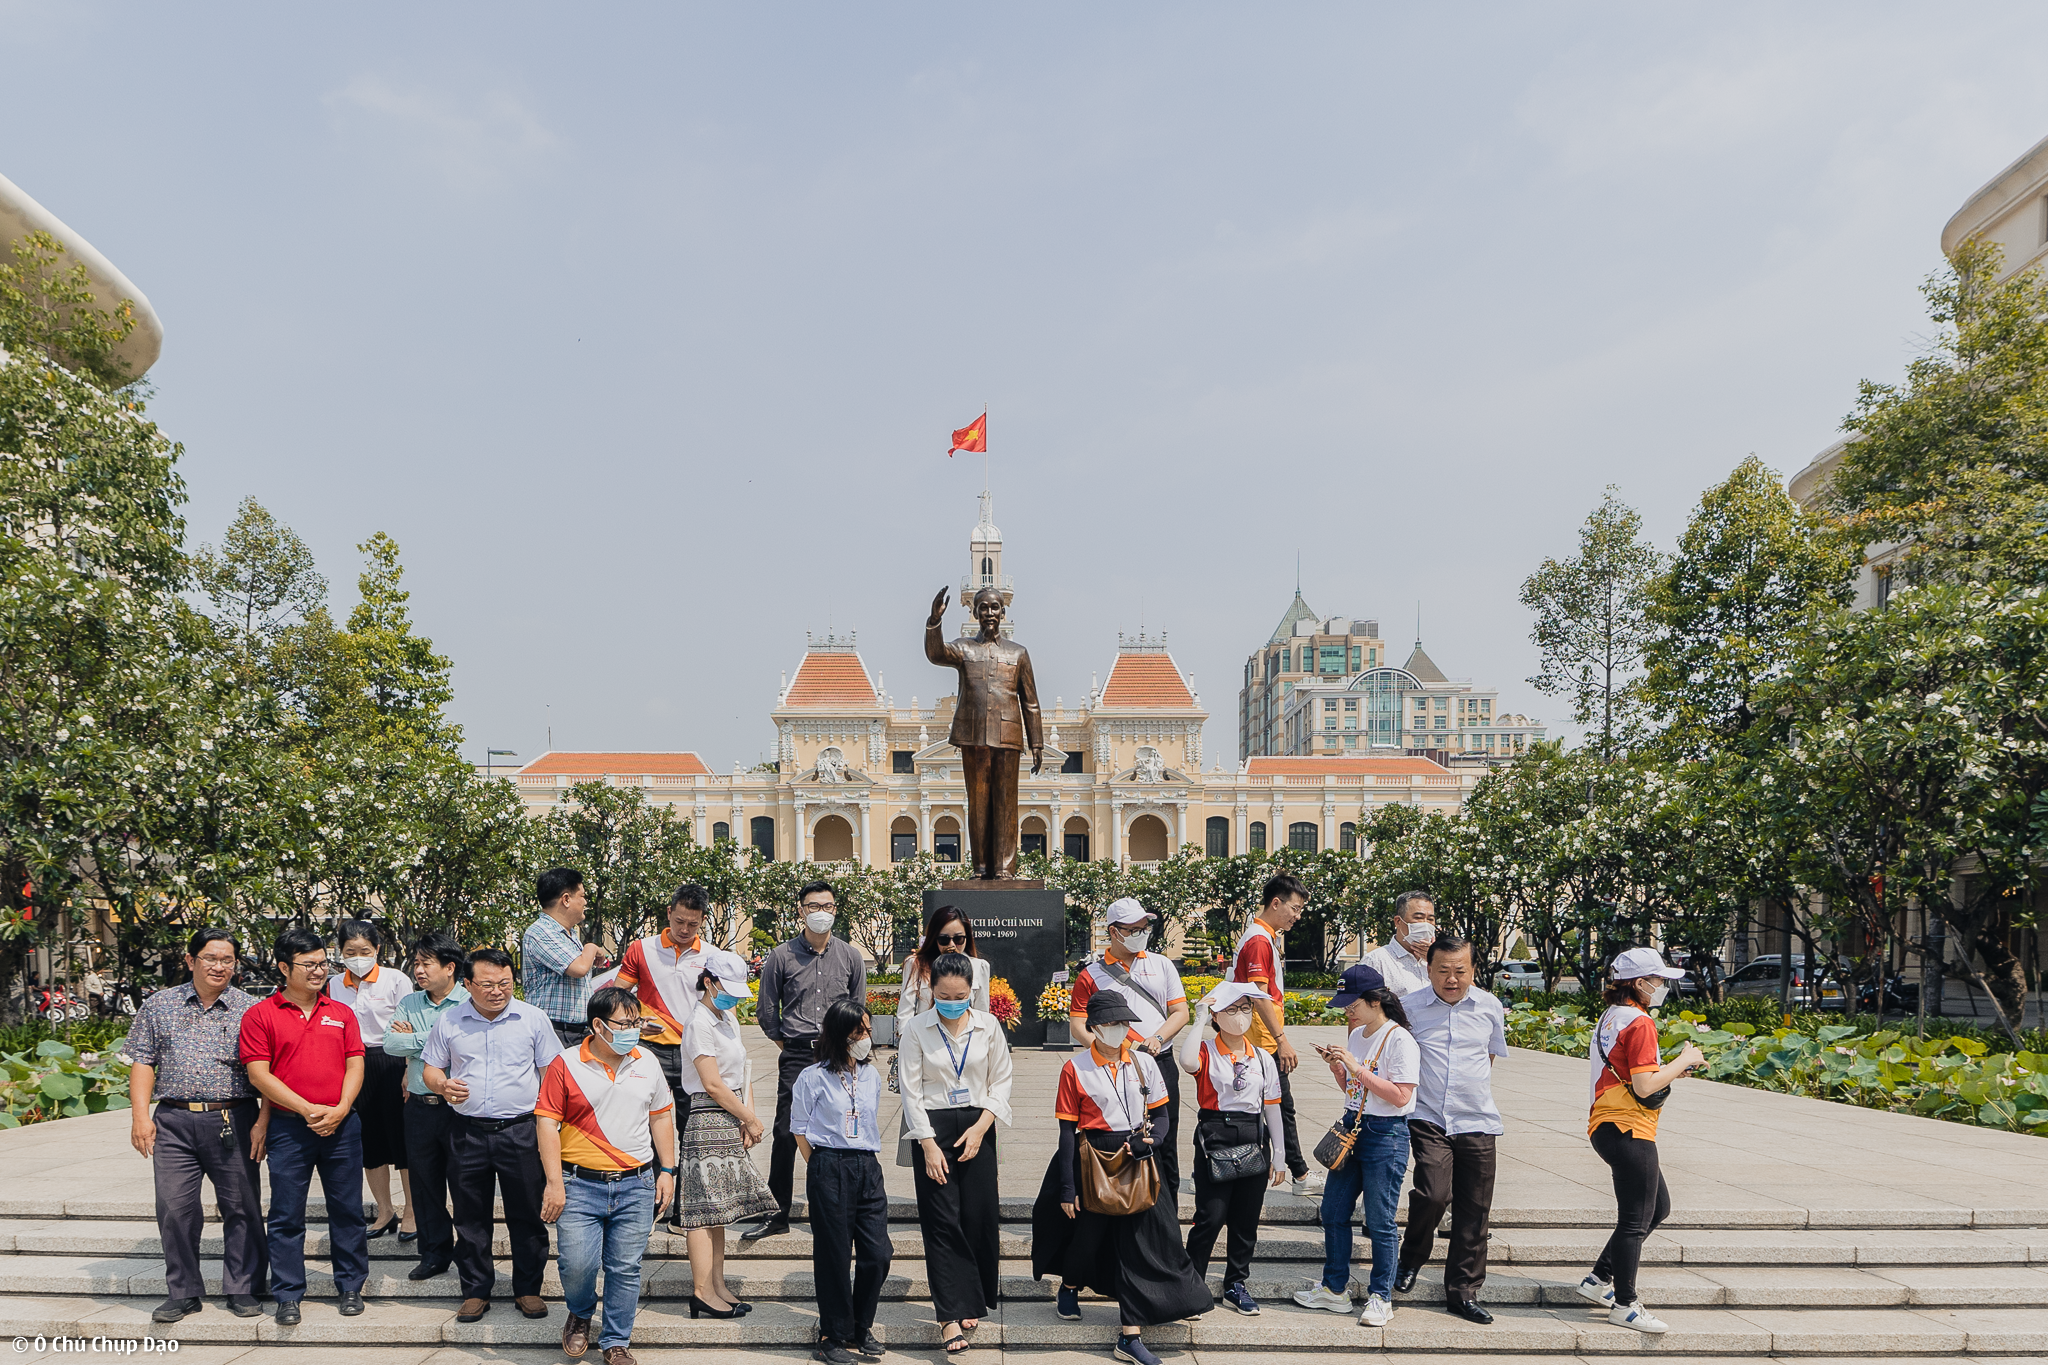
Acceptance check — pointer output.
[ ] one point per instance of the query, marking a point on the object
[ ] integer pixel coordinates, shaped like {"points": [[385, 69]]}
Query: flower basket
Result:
{"points": [[1055, 1002], [1003, 1004]]}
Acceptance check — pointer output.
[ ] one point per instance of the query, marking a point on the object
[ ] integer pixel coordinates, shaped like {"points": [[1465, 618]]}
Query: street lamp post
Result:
{"points": [[490, 754]]}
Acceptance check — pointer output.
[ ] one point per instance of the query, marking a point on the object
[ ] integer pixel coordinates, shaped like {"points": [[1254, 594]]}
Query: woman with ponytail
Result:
{"points": [[1378, 1066], [1237, 1087]]}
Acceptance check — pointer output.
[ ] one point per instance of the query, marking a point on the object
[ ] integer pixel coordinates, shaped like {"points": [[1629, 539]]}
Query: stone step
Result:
{"points": [[1279, 1209], [1271, 1282], [1751, 1247], [1524, 1330]]}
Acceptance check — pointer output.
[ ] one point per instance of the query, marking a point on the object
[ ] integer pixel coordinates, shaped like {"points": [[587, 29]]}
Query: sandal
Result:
{"points": [[954, 1345]]}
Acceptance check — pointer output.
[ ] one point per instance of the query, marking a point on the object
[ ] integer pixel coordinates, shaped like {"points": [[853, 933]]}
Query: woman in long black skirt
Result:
{"points": [[955, 1066], [373, 991], [1113, 1097]]}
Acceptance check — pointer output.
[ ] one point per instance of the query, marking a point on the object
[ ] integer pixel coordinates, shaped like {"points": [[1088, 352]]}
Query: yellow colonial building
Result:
{"points": [[859, 779]]}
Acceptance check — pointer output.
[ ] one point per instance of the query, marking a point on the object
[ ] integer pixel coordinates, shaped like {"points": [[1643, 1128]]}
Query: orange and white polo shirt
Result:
{"points": [[604, 1113], [665, 979], [1109, 1092]]}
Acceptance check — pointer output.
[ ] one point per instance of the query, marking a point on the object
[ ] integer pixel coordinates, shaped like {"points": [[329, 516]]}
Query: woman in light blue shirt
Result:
{"points": [[834, 1114]]}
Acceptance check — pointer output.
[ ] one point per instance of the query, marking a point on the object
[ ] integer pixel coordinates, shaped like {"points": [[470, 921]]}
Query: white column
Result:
{"points": [[924, 827], [866, 856], [1180, 826]]}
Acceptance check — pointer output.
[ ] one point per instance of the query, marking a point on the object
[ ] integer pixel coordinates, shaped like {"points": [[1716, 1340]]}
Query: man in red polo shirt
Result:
{"points": [[304, 1053]]}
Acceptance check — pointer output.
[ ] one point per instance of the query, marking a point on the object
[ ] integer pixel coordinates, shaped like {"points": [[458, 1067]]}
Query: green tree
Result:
{"points": [[405, 683], [633, 855], [1592, 624], [1750, 568], [1953, 462], [262, 580]]}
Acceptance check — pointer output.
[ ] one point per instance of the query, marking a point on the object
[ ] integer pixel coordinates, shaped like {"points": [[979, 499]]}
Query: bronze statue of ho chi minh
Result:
{"points": [[995, 721]]}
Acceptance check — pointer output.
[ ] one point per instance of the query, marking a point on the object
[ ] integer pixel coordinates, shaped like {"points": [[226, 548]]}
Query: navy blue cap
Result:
{"points": [[1357, 981]]}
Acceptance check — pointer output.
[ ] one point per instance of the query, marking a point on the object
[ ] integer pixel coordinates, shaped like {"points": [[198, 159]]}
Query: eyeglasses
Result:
{"points": [[951, 938], [314, 968]]}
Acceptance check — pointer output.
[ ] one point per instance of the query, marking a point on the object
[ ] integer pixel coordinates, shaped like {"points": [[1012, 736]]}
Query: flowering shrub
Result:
{"points": [[1949, 1078], [1055, 1001], [1003, 1004], [881, 1002]]}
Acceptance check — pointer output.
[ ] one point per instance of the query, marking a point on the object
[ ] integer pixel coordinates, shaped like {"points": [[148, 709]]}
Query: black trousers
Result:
{"points": [[670, 1056], [961, 1219], [1641, 1201], [428, 1131], [509, 1159], [782, 1156], [189, 1147], [1167, 1155], [1297, 1164], [1226, 1204], [849, 1240], [571, 1036], [1454, 1173]]}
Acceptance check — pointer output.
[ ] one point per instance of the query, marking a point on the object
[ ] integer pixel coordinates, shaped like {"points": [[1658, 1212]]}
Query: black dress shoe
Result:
{"points": [[288, 1313], [1404, 1278], [1470, 1311], [351, 1302], [412, 1236], [870, 1346], [173, 1310], [427, 1270], [244, 1305], [774, 1227]]}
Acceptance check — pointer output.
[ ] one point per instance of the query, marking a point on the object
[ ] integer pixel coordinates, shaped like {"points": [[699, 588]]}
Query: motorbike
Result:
{"points": [[57, 1007], [1893, 995]]}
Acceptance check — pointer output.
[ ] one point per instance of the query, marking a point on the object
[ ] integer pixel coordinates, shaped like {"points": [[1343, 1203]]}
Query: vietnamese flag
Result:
{"points": [[972, 438]]}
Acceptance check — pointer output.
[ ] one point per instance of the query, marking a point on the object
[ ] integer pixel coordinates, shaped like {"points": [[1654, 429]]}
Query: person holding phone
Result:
{"points": [[1628, 1086], [1378, 1065]]}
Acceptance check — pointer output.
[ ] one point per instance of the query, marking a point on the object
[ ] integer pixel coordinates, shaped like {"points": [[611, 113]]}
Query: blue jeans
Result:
{"points": [[604, 1221], [293, 1152], [1373, 1172]]}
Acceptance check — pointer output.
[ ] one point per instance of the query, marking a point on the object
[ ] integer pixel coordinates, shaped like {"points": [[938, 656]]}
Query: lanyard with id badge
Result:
{"points": [[851, 1127], [958, 1096]]}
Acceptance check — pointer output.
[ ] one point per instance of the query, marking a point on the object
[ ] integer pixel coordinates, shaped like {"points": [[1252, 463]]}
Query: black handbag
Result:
{"points": [[1229, 1154]]}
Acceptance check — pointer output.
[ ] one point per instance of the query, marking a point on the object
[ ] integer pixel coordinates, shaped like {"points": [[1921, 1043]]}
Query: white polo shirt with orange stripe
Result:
{"points": [[604, 1113], [1235, 1082], [665, 979], [374, 998], [1109, 1092]]}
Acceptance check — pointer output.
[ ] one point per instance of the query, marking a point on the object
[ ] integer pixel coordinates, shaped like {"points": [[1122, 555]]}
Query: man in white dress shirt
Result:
{"points": [[1460, 1031], [1403, 960]]}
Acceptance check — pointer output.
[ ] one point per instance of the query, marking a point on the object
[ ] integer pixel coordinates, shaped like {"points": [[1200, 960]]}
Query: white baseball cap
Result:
{"points": [[1128, 911], [731, 972], [1641, 962], [1227, 993]]}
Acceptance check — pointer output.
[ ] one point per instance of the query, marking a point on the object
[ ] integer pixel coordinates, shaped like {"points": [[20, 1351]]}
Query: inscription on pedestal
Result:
{"points": [[1022, 930]]}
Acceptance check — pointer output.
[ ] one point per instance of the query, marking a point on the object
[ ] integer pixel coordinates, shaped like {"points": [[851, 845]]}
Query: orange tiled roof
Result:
{"points": [[1309, 766], [627, 764], [1146, 680], [827, 680]]}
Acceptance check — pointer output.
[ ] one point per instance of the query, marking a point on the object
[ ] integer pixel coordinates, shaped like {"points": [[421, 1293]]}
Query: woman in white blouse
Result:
{"points": [[947, 931], [718, 1183], [955, 1065]]}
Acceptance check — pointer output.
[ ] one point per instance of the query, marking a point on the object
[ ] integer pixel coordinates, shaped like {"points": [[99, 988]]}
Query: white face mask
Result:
{"points": [[1234, 1022], [819, 921], [361, 966], [1134, 943], [859, 1051], [1112, 1035], [1422, 931], [1658, 993]]}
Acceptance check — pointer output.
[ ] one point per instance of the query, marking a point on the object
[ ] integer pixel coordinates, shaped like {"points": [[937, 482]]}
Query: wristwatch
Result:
{"points": [[666, 1170]]}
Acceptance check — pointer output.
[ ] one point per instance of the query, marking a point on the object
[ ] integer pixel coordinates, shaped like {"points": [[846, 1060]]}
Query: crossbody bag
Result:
{"points": [[1655, 1101], [1335, 1148]]}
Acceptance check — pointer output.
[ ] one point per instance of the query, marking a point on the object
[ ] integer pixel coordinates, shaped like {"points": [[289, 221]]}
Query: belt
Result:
{"points": [[201, 1106], [606, 1177], [494, 1125], [427, 1097]]}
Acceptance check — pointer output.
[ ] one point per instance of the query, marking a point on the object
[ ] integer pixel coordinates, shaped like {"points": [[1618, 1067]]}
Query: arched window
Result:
{"points": [[763, 828], [1302, 835], [1219, 836], [1258, 836], [1074, 839], [1347, 837], [721, 830], [988, 569], [946, 840], [902, 839]]}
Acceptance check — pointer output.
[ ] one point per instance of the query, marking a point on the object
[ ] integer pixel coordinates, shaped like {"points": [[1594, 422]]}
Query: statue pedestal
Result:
{"points": [[1021, 928]]}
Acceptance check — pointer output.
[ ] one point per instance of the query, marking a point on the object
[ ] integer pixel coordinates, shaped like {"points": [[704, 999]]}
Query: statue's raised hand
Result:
{"points": [[938, 607]]}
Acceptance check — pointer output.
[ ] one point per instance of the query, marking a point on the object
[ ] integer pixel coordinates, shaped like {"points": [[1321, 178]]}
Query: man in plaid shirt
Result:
{"points": [[559, 966]]}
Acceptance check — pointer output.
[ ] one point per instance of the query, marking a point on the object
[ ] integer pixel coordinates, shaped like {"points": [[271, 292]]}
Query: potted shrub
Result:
{"points": [[882, 1015]]}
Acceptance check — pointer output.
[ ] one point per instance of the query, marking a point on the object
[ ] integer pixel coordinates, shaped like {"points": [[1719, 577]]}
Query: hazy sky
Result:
{"points": [[642, 329]]}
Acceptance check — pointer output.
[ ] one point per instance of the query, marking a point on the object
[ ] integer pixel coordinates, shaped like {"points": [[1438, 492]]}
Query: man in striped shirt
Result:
{"points": [[604, 1112]]}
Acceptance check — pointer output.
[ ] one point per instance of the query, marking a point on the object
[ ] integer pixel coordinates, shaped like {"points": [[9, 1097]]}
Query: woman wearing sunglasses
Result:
{"points": [[1237, 1130], [947, 931], [956, 1086]]}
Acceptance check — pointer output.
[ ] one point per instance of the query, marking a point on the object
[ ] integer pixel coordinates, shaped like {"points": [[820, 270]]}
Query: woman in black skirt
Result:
{"points": [[1113, 1097], [373, 991], [955, 1066], [1237, 1086]]}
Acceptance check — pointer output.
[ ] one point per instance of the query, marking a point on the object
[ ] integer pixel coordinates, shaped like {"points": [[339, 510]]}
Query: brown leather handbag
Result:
{"points": [[1115, 1183]]}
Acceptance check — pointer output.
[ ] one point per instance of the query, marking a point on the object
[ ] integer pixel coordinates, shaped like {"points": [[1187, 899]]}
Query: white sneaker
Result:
{"points": [[1310, 1184], [1636, 1316], [1324, 1297], [1377, 1312], [1595, 1290]]}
